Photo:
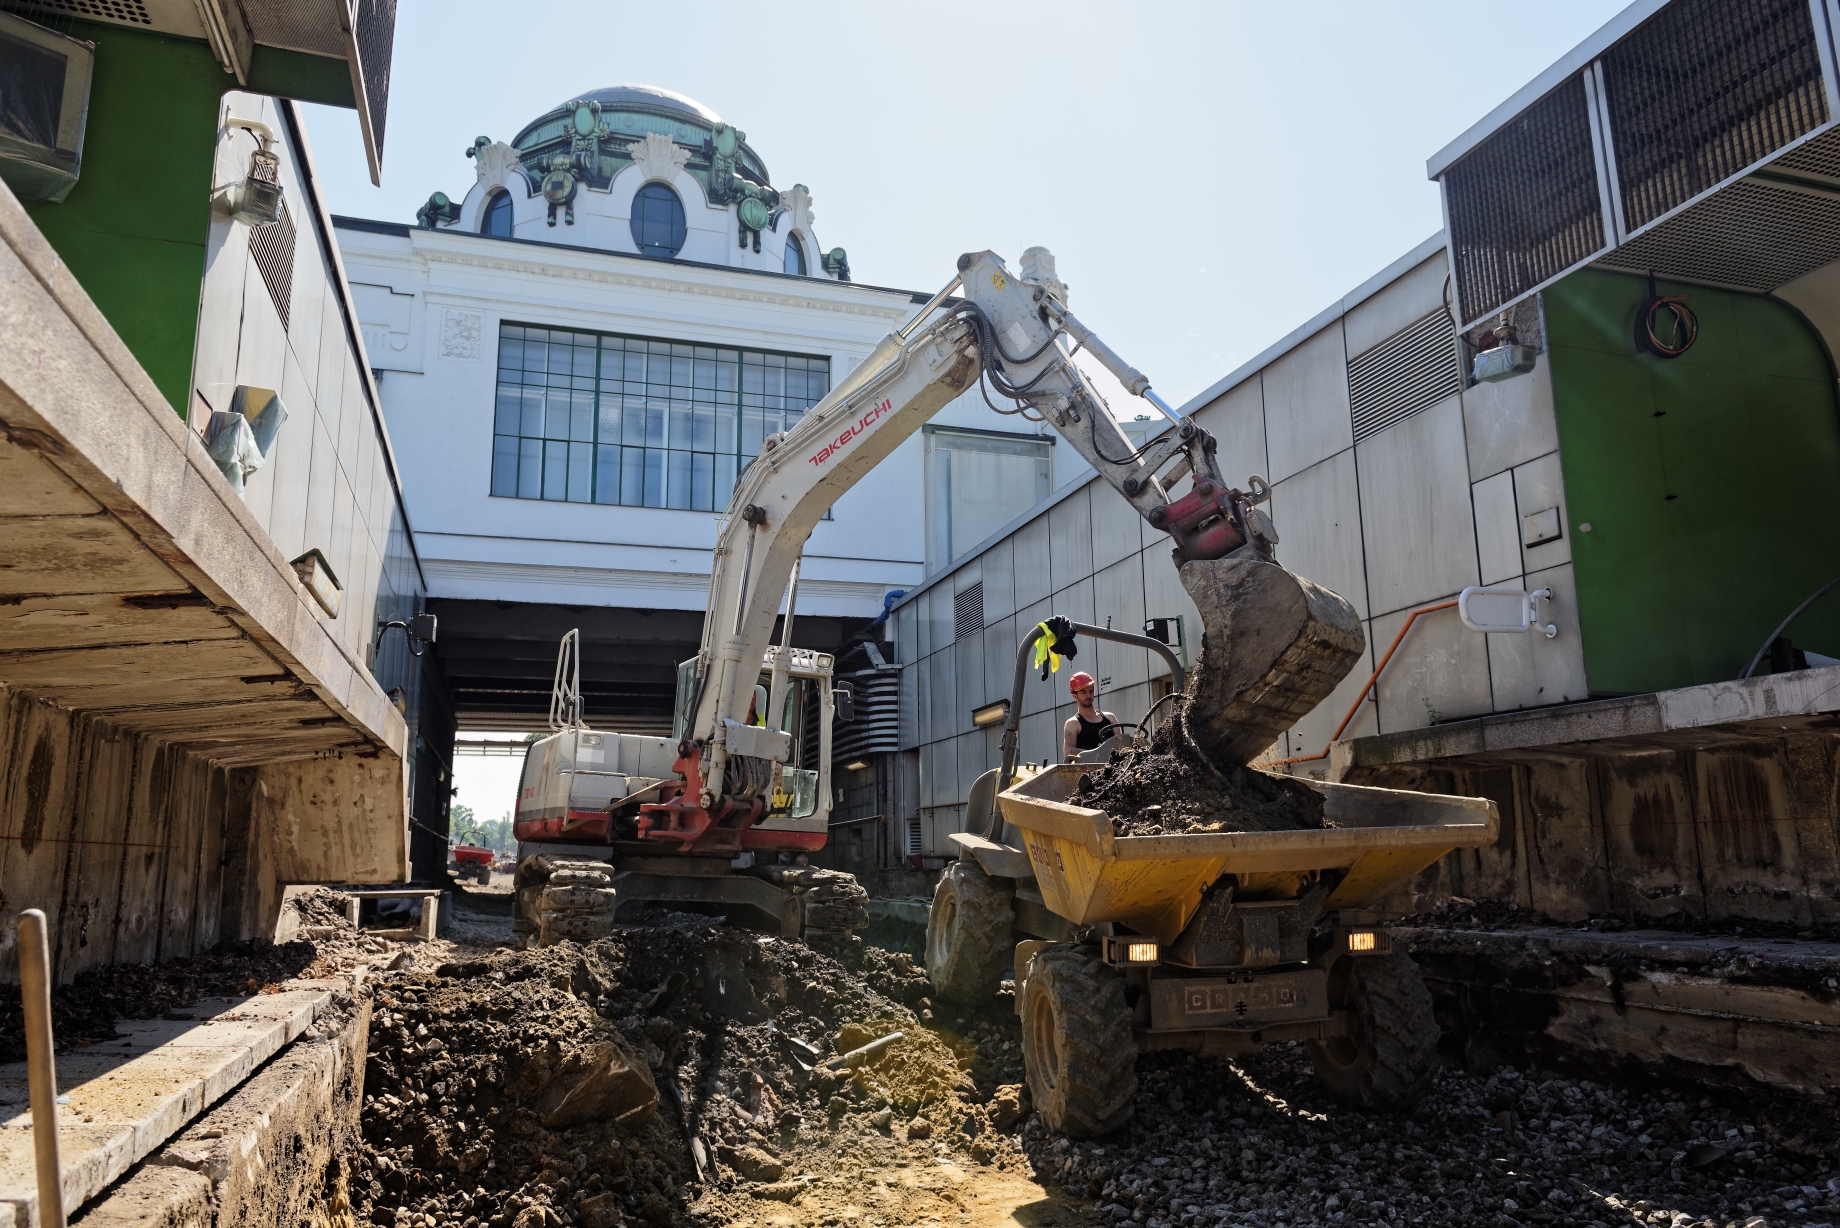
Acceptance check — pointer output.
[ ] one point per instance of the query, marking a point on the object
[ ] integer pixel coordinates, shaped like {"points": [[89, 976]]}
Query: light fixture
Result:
{"points": [[1125, 952], [990, 714], [318, 580], [856, 765], [1363, 941], [256, 201]]}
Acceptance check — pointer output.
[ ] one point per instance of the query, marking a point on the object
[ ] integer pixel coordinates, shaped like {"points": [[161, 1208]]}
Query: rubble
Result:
{"points": [[1168, 787], [670, 1073]]}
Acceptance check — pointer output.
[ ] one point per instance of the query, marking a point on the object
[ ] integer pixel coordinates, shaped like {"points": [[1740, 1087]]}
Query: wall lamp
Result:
{"points": [[990, 714], [256, 201]]}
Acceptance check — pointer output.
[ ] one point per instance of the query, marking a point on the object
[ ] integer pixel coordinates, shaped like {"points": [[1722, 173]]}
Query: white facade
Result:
{"points": [[433, 301]]}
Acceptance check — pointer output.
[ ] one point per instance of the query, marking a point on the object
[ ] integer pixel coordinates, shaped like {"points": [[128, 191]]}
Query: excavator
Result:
{"points": [[703, 817]]}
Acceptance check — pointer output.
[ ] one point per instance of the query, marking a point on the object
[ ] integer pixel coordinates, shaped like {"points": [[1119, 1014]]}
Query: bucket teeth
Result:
{"points": [[1273, 646]]}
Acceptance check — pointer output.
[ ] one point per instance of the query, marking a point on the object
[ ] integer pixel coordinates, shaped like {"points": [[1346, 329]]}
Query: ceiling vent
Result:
{"points": [[1407, 373]]}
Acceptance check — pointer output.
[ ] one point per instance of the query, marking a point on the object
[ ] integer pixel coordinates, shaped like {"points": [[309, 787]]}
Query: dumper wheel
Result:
{"points": [[968, 947], [1390, 1055], [1076, 1042]]}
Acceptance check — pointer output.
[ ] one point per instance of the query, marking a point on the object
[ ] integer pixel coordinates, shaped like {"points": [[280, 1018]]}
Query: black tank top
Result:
{"points": [[1092, 732]]}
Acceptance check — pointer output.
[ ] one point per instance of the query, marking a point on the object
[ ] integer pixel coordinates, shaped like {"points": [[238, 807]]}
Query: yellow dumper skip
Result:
{"points": [[1154, 884]]}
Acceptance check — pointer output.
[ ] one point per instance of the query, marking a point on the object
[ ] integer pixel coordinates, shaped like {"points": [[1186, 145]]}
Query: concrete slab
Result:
{"points": [[1712, 1006], [124, 1102]]}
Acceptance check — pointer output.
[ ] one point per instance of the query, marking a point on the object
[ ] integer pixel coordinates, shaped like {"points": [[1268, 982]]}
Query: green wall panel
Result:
{"points": [[133, 229], [1711, 482]]}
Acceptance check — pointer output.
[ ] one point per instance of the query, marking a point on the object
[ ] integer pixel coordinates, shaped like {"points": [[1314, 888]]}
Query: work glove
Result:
{"points": [[1056, 641]]}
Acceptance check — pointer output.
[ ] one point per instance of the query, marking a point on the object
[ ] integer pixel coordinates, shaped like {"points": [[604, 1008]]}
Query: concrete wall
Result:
{"points": [[160, 664], [1408, 516]]}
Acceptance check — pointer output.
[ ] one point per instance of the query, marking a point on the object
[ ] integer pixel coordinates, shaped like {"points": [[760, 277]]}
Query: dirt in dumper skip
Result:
{"points": [[1168, 787], [679, 1074]]}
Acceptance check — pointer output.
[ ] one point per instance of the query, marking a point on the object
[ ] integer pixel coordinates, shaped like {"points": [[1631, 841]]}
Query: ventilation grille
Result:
{"points": [[877, 727], [1410, 371], [968, 611], [1704, 89], [1749, 236], [1820, 156], [290, 24], [1524, 205], [374, 30], [273, 247], [128, 12], [916, 838]]}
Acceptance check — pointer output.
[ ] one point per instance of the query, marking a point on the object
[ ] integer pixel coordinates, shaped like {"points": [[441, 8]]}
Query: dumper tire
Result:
{"points": [[1389, 1061], [968, 947], [1077, 1045]]}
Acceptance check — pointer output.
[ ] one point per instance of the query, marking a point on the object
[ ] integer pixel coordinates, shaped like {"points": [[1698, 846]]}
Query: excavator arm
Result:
{"points": [[1020, 338]]}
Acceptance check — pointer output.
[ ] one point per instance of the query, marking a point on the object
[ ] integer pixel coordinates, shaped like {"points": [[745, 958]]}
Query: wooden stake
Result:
{"points": [[41, 1066]]}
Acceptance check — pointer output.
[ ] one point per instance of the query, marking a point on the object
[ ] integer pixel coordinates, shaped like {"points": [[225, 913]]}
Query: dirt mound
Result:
{"points": [[516, 1089], [1168, 787], [319, 906]]}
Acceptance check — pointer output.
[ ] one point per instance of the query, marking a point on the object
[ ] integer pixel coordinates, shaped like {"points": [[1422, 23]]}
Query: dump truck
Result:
{"points": [[1213, 942]]}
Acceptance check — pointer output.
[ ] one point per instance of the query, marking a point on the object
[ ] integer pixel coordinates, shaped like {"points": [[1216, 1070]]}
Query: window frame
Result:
{"points": [[795, 247], [681, 221], [679, 442], [493, 201]]}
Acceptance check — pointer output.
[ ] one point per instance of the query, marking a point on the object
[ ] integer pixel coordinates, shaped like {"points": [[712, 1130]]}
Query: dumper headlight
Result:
{"points": [[1126, 951], [1363, 940], [1140, 952]]}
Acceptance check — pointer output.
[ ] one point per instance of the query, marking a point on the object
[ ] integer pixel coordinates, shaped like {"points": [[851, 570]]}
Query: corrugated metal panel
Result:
{"points": [[1525, 205], [1410, 371], [1705, 89]]}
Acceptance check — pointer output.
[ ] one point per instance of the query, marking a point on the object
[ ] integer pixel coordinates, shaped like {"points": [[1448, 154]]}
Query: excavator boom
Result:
{"points": [[1019, 337]]}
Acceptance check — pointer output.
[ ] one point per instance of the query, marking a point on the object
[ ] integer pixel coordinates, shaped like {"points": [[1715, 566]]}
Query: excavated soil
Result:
{"points": [[1168, 787], [475, 1061]]}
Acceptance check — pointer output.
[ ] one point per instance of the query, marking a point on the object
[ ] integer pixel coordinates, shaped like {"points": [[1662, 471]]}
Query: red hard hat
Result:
{"points": [[1079, 682]]}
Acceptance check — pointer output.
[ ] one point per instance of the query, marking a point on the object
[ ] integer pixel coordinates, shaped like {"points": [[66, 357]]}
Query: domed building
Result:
{"points": [[634, 168], [578, 355]]}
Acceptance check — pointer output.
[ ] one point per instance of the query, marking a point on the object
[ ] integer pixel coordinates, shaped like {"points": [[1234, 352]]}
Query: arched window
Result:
{"points": [[498, 216], [795, 256], [658, 221]]}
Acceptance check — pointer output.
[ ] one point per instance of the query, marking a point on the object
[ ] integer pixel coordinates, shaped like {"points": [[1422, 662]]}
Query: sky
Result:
{"points": [[1208, 175]]}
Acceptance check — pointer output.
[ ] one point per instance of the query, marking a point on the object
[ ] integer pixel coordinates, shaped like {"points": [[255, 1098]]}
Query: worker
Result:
{"points": [[1088, 726]]}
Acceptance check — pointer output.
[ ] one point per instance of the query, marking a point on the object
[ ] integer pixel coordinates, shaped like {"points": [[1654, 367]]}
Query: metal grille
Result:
{"points": [[1750, 235], [1410, 371], [272, 246], [1524, 205], [130, 12], [916, 838], [374, 29], [297, 26], [1821, 156], [1704, 89], [968, 611]]}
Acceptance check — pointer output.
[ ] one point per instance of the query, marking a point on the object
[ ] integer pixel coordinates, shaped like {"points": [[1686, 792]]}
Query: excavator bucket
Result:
{"points": [[1273, 646]]}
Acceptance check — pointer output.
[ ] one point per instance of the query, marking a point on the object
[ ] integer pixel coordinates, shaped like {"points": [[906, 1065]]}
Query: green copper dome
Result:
{"points": [[602, 123]]}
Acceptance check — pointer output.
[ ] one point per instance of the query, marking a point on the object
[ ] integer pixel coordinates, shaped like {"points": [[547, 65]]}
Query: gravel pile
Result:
{"points": [[1166, 787], [1257, 1143]]}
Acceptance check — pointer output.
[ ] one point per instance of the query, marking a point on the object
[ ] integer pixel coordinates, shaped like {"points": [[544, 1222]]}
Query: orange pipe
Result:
{"points": [[1371, 680]]}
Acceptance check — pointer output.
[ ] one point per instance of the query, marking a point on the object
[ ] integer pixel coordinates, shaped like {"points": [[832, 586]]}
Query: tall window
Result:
{"points": [[977, 482], [658, 221], [599, 418], [498, 216], [795, 256]]}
